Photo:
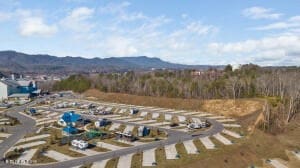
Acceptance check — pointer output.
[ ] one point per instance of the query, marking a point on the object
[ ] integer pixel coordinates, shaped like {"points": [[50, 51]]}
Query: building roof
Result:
{"points": [[9, 82], [15, 83], [70, 116], [16, 95]]}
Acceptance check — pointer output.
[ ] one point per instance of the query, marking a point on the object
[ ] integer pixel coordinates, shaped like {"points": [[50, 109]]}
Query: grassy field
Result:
{"points": [[239, 107]]}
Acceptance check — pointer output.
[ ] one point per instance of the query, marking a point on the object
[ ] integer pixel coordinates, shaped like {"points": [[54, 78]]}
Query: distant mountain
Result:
{"points": [[12, 61]]}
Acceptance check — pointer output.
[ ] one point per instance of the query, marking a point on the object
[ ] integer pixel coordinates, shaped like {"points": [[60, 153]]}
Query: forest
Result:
{"points": [[278, 86]]}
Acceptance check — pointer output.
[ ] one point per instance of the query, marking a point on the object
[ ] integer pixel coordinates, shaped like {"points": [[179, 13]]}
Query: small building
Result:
{"points": [[69, 119], [134, 111], [102, 123], [143, 131]]}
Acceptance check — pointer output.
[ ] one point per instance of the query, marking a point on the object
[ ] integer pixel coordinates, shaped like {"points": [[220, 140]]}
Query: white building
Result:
{"points": [[20, 88]]}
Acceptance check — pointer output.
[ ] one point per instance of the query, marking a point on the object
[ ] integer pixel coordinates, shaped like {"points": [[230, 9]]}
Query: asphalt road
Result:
{"points": [[28, 126]]}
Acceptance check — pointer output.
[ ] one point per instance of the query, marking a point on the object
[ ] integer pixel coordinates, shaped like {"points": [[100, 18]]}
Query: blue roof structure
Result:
{"points": [[70, 130], [70, 116]]}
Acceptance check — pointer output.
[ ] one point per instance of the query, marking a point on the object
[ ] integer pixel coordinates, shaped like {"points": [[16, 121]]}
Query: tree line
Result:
{"points": [[279, 85]]}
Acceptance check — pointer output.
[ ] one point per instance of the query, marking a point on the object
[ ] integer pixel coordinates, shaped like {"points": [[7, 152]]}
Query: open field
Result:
{"points": [[239, 107]]}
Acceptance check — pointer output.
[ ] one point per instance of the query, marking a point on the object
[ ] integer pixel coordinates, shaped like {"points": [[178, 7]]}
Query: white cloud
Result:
{"points": [[268, 51], [4, 16], [292, 22], [77, 19], [36, 26], [258, 12]]}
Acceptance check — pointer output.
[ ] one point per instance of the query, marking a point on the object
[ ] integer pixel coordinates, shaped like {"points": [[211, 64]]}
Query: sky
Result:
{"points": [[210, 32]]}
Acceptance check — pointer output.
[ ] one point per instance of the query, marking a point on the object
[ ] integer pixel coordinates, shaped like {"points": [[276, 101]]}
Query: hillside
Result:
{"points": [[12, 61]]}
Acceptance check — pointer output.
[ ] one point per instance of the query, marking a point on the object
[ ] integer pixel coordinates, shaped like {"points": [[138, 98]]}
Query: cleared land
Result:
{"points": [[239, 107]]}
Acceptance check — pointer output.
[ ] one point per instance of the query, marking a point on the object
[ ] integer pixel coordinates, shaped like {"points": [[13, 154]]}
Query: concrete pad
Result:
{"points": [[176, 112], [159, 123], [4, 122], [276, 164], [216, 117], [222, 139], [114, 126], [190, 147], [128, 128], [45, 122], [145, 121], [121, 118], [203, 114], [171, 151], [57, 156], [4, 135], [42, 119], [34, 138], [190, 113], [134, 143], [26, 156], [231, 133], [168, 117], [122, 111], [226, 120], [155, 115], [111, 116], [125, 161], [208, 144], [143, 114], [109, 146], [4, 119], [39, 130], [52, 114], [148, 157], [28, 145], [232, 125], [133, 119], [87, 152], [100, 164], [181, 118]]}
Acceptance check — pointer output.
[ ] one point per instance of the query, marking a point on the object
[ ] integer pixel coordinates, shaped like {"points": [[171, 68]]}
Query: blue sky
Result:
{"points": [[191, 31]]}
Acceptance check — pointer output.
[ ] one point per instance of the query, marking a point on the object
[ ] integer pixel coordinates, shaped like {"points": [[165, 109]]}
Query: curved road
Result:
{"points": [[27, 125]]}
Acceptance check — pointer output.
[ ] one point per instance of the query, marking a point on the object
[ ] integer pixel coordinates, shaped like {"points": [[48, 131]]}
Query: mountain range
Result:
{"points": [[12, 61]]}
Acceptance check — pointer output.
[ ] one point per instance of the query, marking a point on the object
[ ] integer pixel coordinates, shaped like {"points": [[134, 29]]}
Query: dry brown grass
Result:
{"points": [[240, 107]]}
